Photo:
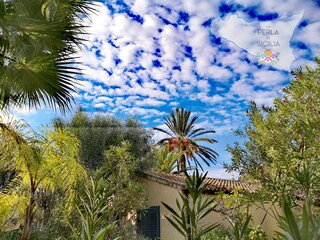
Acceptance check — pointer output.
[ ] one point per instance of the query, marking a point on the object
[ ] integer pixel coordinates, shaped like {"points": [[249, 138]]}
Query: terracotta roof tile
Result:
{"points": [[212, 184]]}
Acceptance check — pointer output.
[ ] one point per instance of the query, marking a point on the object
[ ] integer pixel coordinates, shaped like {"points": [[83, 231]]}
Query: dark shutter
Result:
{"points": [[149, 222]]}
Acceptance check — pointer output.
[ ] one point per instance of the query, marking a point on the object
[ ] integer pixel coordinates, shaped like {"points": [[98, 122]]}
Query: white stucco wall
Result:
{"points": [[158, 193]]}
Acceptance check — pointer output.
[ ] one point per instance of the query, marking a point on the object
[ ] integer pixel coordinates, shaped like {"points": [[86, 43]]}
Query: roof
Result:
{"points": [[213, 185]]}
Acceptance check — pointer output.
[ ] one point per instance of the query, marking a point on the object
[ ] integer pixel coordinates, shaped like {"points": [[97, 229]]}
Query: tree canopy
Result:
{"points": [[282, 141], [98, 133]]}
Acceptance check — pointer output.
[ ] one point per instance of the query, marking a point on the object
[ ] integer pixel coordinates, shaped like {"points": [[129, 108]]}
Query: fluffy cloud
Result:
{"points": [[150, 102], [165, 51], [267, 78], [147, 57], [222, 174]]}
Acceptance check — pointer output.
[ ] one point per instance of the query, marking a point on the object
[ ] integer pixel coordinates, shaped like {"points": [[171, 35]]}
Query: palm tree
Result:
{"points": [[40, 162], [38, 44], [184, 137]]}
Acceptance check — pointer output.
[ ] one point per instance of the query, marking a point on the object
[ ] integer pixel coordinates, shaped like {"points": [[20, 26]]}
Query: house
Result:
{"points": [[165, 187]]}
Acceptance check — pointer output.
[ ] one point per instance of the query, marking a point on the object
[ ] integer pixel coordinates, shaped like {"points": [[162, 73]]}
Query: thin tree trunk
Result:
{"points": [[29, 213]]}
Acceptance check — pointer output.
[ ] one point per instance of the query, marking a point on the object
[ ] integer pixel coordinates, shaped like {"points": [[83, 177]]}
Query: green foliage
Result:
{"points": [[128, 196], [100, 132], [52, 220], [185, 138], [282, 151], [10, 235], [240, 230], [235, 208], [167, 160], [219, 233], [280, 140], [94, 212], [306, 225], [38, 42], [191, 209], [257, 233], [295, 227], [46, 161]]}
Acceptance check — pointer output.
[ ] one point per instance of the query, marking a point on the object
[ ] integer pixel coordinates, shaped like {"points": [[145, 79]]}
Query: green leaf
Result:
{"points": [[101, 235]]}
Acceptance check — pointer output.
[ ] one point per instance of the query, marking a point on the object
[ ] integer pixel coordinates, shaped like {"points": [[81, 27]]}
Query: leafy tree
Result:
{"points": [[281, 150], [38, 42], [283, 139], [184, 137], [192, 209], [100, 132], [119, 172], [41, 162]]}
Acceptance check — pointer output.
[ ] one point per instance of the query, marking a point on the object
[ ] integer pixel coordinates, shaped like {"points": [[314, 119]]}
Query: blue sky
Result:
{"points": [[145, 58]]}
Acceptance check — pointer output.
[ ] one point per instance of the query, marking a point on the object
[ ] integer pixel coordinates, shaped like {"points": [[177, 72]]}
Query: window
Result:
{"points": [[149, 222]]}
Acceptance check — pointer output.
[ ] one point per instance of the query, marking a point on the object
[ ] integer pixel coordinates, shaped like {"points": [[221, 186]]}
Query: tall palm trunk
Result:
{"points": [[182, 164]]}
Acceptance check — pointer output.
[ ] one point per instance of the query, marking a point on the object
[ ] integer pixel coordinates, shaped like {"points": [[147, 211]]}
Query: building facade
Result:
{"points": [[165, 187]]}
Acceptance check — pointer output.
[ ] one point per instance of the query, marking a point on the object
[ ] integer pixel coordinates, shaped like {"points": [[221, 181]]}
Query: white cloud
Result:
{"points": [[146, 112], [85, 86], [99, 105], [307, 34], [225, 129], [150, 102], [157, 135], [102, 99], [246, 91], [129, 101], [25, 110], [209, 99], [204, 86], [283, 7], [175, 104], [242, 88], [268, 78], [222, 174], [141, 6]]}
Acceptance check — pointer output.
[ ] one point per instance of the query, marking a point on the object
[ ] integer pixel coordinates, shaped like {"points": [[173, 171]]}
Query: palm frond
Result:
{"points": [[203, 133], [190, 126], [164, 131], [195, 131], [37, 51]]}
